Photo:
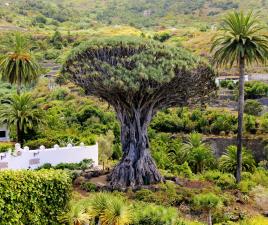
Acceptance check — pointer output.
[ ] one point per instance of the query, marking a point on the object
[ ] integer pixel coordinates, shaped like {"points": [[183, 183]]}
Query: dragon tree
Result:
{"points": [[138, 78]]}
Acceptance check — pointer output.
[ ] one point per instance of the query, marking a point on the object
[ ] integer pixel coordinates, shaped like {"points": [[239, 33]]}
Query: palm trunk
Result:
{"points": [[137, 166], [19, 134], [209, 217], [240, 118]]}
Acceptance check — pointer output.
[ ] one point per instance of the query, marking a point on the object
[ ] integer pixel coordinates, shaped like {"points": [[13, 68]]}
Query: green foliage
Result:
{"points": [[223, 180], [200, 154], [227, 162], [19, 66], [83, 165], [202, 121], [4, 147], [22, 112], [256, 89], [33, 197], [183, 170], [253, 107], [242, 36], [88, 186], [154, 215], [207, 201], [35, 144]]}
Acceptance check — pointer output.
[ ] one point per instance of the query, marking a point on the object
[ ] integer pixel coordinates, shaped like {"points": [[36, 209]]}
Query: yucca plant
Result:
{"points": [[77, 214], [107, 209], [18, 66], [227, 162], [117, 212], [241, 42]]}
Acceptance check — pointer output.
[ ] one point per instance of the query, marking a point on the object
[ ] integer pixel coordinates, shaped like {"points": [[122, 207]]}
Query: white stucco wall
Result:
{"points": [[32, 159]]}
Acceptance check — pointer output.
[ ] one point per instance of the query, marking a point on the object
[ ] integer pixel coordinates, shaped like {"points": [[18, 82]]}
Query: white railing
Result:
{"points": [[32, 159]]}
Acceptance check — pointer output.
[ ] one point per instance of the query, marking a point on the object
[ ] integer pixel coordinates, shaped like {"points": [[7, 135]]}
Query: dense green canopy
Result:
{"points": [[128, 67]]}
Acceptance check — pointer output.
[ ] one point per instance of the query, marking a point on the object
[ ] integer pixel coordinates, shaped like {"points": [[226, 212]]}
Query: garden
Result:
{"points": [[148, 105]]}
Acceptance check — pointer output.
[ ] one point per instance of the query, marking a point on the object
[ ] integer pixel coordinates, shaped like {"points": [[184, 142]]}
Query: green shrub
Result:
{"points": [[4, 147], [253, 107], [35, 144], [226, 181], [60, 93], [183, 170], [89, 187], [149, 214], [255, 89], [227, 162], [246, 186], [223, 180], [144, 195], [33, 197]]}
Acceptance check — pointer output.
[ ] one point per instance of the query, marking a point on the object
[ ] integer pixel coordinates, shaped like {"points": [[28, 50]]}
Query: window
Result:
{"points": [[2, 134]]}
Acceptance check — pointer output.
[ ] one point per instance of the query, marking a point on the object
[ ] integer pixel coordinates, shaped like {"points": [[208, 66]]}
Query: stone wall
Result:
{"points": [[219, 145]]}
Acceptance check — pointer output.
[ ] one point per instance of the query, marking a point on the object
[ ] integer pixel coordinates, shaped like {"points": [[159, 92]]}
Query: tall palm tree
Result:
{"points": [[18, 66], [22, 112], [241, 42]]}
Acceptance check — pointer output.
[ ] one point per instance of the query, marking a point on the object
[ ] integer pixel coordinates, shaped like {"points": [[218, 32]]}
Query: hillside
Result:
{"points": [[140, 13]]}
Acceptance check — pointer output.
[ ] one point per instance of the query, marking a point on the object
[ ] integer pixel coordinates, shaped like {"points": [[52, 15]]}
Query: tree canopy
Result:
{"points": [[139, 71]]}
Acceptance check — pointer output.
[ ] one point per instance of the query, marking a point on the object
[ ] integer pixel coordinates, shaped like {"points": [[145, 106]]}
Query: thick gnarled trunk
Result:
{"points": [[137, 166]]}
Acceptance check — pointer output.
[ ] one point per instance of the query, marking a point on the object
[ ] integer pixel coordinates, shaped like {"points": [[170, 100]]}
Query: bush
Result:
{"points": [[246, 186], [4, 147], [155, 215], [227, 162], [253, 107], [89, 187], [183, 170], [144, 195], [223, 180], [60, 94], [255, 89], [35, 144], [33, 197]]}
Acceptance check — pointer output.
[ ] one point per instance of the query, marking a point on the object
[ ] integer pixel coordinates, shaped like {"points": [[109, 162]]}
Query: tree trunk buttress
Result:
{"points": [[240, 118], [137, 166]]}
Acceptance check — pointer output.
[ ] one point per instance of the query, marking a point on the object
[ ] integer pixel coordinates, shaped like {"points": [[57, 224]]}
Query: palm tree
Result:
{"points": [[240, 42], [18, 66], [227, 162], [22, 112], [200, 154]]}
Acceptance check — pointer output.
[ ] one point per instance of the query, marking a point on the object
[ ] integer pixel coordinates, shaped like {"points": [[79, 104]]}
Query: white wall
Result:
{"points": [[32, 159], [6, 138]]}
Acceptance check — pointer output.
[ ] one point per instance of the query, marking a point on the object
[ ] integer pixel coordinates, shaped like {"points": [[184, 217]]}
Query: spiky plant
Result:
{"points": [[227, 162]]}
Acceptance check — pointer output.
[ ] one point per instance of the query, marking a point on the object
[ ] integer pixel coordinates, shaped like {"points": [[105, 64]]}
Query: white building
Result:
{"points": [[4, 133]]}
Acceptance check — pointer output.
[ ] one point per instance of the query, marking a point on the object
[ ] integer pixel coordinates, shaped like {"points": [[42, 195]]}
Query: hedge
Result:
{"points": [[33, 197]]}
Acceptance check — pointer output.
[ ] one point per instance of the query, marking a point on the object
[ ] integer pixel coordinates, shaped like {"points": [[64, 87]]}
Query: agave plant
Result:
{"points": [[228, 162]]}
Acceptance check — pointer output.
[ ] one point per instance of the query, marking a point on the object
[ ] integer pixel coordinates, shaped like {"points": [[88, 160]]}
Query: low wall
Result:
{"points": [[219, 145], [32, 159]]}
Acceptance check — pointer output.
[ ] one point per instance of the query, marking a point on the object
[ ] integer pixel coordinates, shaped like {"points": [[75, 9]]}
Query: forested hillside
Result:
{"points": [[140, 13]]}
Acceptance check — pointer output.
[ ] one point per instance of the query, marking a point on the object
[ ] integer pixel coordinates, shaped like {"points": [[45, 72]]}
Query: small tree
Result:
{"points": [[207, 202], [105, 147], [138, 77]]}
